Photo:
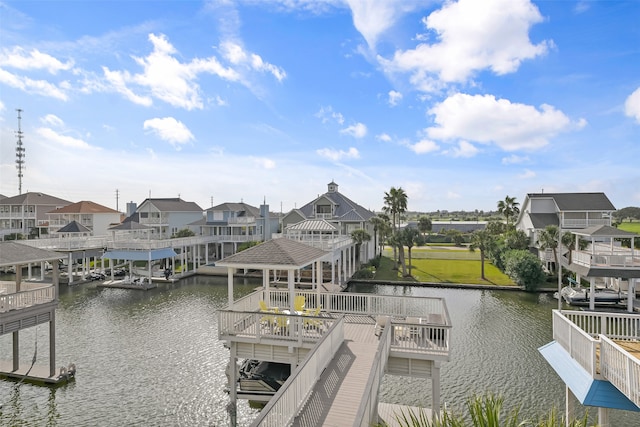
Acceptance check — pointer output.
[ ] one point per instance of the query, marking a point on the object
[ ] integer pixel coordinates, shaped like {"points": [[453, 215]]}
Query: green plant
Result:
{"points": [[524, 268]]}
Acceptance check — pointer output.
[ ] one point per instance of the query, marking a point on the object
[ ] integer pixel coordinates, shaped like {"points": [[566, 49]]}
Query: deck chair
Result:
{"points": [[298, 303], [310, 318], [264, 307], [281, 322], [381, 322], [267, 320], [414, 331]]}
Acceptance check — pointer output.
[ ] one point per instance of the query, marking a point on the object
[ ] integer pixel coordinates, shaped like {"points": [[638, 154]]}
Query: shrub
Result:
{"points": [[524, 268]]}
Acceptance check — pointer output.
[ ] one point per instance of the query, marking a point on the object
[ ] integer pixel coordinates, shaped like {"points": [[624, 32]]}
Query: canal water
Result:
{"points": [[152, 358]]}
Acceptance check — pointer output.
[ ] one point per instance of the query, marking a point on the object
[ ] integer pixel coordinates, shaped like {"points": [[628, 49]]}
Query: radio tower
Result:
{"points": [[19, 153]]}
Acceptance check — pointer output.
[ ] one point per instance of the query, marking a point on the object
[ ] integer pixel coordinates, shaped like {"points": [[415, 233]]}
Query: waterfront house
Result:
{"points": [[331, 216], [167, 216], [95, 217], [26, 213], [232, 224]]}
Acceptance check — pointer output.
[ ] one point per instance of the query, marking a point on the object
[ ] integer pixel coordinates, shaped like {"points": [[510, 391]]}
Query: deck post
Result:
{"points": [[568, 405], [52, 344], [435, 388], [603, 417], [16, 350]]}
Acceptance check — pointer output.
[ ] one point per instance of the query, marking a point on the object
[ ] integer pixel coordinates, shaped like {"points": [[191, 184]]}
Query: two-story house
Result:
{"points": [[330, 216], [95, 217], [231, 224], [26, 213], [167, 216]]}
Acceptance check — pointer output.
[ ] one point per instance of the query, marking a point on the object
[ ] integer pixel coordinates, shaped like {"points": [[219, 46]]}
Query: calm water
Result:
{"points": [[153, 359]]}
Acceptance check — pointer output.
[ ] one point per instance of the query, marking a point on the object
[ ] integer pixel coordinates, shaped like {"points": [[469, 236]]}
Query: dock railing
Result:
{"points": [[620, 368], [288, 400], [28, 298], [582, 334], [368, 409]]}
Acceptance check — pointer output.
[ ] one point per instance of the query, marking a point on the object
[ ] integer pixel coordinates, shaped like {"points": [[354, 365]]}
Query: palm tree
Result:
{"points": [[482, 240], [548, 239], [411, 237], [424, 224], [381, 229], [509, 208], [395, 203], [359, 236], [397, 242]]}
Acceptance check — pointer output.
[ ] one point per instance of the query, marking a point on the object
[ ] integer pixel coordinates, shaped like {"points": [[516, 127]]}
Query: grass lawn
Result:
{"points": [[464, 271], [633, 227]]}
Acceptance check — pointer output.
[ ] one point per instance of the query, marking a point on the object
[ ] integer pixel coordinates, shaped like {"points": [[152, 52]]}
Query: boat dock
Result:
{"points": [[36, 374]]}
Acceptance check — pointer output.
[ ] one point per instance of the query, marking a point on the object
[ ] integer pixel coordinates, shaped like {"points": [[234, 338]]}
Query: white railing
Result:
{"points": [[368, 409], [422, 338], [27, 298], [285, 404], [253, 326], [68, 243], [618, 259], [242, 220], [367, 304], [584, 223], [578, 343], [320, 242], [622, 369], [623, 326], [239, 238]]}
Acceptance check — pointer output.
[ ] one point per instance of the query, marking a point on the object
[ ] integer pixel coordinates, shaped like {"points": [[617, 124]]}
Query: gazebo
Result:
{"points": [[276, 254]]}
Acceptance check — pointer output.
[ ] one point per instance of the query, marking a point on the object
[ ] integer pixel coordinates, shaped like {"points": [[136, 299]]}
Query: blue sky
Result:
{"points": [[460, 103]]}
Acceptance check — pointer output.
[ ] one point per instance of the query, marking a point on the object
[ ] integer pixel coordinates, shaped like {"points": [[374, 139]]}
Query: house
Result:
{"points": [[26, 213], [329, 216], [95, 217], [167, 216], [234, 223]]}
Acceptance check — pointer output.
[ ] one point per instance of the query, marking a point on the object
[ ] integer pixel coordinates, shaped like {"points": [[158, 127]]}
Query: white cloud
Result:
{"points": [[514, 159], [170, 130], [632, 105], [34, 60], [472, 36], [452, 195], [527, 174], [371, 18], [326, 114], [424, 146], [336, 155], [52, 120], [358, 130], [264, 163], [394, 98], [2, 107], [485, 119], [38, 87], [384, 137], [235, 53], [51, 135], [464, 149]]}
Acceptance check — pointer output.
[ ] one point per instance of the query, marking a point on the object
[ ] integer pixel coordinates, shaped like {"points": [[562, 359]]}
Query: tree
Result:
{"points": [[509, 208], [396, 241], [548, 239], [424, 224], [495, 227], [359, 236], [629, 213], [185, 232], [395, 203], [381, 230], [516, 239], [483, 241], [524, 268], [411, 237]]}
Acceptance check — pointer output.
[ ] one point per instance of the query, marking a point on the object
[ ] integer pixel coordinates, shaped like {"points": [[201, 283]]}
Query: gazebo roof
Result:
{"points": [[281, 253], [74, 227], [129, 225], [13, 253], [604, 231], [312, 225]]}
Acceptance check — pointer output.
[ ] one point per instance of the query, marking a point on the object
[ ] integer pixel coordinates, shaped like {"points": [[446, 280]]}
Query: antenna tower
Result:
{"points": [[19, 152]]}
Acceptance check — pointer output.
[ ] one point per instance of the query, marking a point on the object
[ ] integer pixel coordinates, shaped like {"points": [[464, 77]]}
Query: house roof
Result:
{"points": [[173, 205], [34, 199], [236, 207], [84, 207], [345, 208], [541, 220], [605, 231], [279, 253], [312, 225], [74, 227], [129, 225], [12, 253], [578, 201]]}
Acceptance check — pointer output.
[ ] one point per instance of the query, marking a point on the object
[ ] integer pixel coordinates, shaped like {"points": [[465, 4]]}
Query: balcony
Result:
{"points": [[613, 258], [571, 223]]}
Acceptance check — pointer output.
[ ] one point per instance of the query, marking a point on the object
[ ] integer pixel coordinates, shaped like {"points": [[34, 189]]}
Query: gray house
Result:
{"points": [[167, 216]]}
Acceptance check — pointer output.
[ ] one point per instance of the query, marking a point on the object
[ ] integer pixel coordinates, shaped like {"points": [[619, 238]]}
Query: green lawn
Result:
{"points": [[633, 227], [464, 271]]}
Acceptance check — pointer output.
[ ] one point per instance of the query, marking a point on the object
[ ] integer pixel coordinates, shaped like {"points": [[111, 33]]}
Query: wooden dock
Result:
{"points": [[38, 374]]}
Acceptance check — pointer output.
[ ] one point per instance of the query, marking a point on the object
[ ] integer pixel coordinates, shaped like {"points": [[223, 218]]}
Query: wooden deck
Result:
{"points": [[334, 400], [38, 374]]}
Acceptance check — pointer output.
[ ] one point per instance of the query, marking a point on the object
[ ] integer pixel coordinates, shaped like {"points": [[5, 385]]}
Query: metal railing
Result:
{"points": [[285, 404], [25, 299]]}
